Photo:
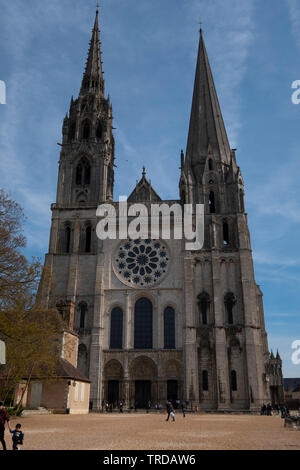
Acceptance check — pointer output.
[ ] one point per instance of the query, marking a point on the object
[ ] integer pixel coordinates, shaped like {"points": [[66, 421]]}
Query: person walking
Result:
{"points": [[170, 411], [17, 437], [3, 417], [183, 409]]}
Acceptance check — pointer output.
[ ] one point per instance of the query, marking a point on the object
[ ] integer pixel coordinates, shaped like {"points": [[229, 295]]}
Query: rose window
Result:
{"points": [[141, 263]]}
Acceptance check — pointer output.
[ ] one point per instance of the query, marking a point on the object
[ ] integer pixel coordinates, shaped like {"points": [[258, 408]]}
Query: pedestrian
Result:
{"points": [[183, 409], [263, 409], [121, 407], [269, 409], [148, 407], [17, 437], [3, 417], [170, 410]]}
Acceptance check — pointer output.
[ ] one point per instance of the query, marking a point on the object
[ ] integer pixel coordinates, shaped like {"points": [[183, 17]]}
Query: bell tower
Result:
{"points": [[86, 166]]}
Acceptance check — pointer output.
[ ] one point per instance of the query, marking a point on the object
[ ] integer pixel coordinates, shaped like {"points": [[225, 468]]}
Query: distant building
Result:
{"points": [[292, 393], [155, 321], [69, 390]]}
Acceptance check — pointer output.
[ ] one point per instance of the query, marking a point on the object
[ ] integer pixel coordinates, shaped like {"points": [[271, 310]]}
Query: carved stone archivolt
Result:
{"points": [[143, 368], [113, 370]]}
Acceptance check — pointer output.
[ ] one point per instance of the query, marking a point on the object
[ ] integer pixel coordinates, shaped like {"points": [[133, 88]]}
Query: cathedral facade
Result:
{"points": [[156, 321]]}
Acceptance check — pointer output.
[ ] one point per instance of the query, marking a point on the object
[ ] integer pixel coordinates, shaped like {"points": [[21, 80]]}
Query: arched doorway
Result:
{"points": [[143, 372], [113, 373], [173, 387]]}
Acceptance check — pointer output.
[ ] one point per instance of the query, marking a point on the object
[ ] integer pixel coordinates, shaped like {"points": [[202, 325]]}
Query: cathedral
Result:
{"points": [[155, 321]]}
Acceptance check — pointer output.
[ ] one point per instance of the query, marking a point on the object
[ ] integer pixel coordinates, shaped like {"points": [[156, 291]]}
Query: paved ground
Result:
{"points": [[151, 431]]}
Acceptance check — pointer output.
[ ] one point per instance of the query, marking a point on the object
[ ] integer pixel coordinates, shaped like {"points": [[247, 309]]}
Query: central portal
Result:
{"points": [[142, 393]]}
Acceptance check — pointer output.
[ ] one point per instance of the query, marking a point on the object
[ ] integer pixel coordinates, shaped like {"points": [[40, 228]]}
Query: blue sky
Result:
{"points": [[149, 51]]}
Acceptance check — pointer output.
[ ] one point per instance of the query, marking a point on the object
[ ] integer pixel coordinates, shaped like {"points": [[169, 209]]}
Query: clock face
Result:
{"points": [[141, 263]]}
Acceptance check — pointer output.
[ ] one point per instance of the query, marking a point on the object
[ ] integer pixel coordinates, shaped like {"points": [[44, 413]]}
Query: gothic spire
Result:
{"points": [[93, 75], [206, 122]]}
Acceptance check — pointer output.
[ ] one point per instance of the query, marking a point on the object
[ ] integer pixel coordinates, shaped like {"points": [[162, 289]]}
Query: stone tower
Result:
{"points": [[86, 167], [155, 321], [229, 341]]}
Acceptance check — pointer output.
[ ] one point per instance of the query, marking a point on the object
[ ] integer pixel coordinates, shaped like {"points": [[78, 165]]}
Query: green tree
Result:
{"points": [[31, 333]]}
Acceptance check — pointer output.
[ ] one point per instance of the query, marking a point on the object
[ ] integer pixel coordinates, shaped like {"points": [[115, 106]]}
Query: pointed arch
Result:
{"points": [[212, 202], [143, 324], [169, 328], [86, 129], [226, 237], [67, 236], [229, 302], [82, 314], [116, 328], [203, 308], [83, 172]]}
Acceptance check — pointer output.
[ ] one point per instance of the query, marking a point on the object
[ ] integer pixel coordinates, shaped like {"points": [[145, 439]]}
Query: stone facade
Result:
{"points": [[203, 309]]}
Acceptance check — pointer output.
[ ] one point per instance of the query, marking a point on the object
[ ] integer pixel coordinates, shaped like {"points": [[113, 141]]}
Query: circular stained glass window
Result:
{"points": [[141, 263]]}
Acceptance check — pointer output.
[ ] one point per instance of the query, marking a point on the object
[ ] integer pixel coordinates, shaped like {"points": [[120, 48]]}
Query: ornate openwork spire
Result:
{"points": [[93, 75]]}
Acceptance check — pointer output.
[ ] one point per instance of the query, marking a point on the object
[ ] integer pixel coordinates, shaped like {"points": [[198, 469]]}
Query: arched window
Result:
{"points": [[99, 130], [67, 239], [212, 203], [143, 324], [226, 240], [205, 380], [88, 239], [116, 328], [86, 129], [87, 173], [229, 302], [82, 359], [210, 165], [203, 308], [169, 328], [233, 381], [79, 174], [83, 173], [82, 308]]}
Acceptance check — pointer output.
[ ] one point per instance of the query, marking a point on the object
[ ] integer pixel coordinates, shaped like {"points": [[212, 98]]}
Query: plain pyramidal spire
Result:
{"points": [[93, 74], [207, 129]]}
